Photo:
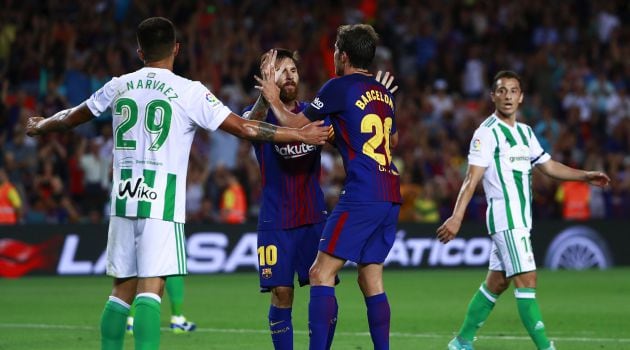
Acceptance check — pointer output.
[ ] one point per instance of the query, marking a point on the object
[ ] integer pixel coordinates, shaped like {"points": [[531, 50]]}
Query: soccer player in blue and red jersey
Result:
{"points": [[293, 211], [362, 226]]}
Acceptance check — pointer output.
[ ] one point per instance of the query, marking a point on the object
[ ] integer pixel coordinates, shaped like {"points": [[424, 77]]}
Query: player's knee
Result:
{"points": [[282, 297]]}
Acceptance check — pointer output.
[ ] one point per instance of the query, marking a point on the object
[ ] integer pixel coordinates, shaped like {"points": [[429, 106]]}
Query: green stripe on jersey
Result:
{"points": [[520, 131], [518, 180], [508, 135], [144, 207], [121, 203], [490, 121], [169, 197], [506, 197]]}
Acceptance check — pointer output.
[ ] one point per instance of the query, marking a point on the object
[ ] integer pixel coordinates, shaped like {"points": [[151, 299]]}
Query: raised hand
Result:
{"points": [[268, 87], [386, 80]]}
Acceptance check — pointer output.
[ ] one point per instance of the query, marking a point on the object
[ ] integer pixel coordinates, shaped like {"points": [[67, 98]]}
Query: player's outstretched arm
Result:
{"points": [[313, 133], [451, 226], [560, 171], [271, 93], [61, 121]]}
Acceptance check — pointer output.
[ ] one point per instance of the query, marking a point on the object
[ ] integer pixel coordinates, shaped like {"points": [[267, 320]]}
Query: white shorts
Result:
{"points": [[512, 252], [145, 248]]}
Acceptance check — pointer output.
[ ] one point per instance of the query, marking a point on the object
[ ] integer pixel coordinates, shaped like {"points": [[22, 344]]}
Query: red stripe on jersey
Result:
{"points": [[335, 236]]}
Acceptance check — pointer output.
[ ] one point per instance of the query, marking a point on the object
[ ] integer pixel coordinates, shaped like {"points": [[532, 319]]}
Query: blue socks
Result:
{"points": [[379, 314], [281, 328], [322, 317]]}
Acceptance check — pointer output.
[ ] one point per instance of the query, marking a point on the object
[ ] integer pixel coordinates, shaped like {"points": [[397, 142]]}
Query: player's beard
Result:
{"points": [[287, 94]]}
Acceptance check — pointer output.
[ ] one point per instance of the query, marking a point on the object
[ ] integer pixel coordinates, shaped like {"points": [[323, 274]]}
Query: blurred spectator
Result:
{"points": [[10, 201], [233, 204], [574, 196], [572, 57]]}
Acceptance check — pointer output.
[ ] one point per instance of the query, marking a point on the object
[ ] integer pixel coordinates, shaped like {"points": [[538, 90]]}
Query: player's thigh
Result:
{"points": [[277, 250], [515, 251], [382, 239], [350, 226], [306, 250], [160, 248], [121, 248]]}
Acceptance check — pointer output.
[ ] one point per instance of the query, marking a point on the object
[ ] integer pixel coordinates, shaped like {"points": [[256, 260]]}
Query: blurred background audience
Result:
{"points": [[574, 57]]}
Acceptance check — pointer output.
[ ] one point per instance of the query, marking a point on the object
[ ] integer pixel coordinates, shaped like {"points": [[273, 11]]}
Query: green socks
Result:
{"points": [[478, 311], [175, 290], [531, 317], [146, 325], [113, 323]]}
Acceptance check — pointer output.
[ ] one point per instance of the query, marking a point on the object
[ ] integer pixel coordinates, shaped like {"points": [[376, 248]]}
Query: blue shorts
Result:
{"points": [[282, 253], [362, 232]]}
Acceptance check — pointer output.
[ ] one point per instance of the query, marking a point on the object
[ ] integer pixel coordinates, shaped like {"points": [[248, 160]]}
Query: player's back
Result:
{"points": [[362, 114], [155, 114]]}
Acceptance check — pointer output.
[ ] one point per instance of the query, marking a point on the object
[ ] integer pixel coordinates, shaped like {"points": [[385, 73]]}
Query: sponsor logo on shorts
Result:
{"points": [[266, 273]]}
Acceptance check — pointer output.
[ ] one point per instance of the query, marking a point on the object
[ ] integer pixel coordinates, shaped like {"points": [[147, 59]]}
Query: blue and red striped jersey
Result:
{"points": [[361, 111], [291, 195]]}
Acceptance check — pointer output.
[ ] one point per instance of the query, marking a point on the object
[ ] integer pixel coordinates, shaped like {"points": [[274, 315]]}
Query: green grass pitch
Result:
{"points": [[582, 310]]}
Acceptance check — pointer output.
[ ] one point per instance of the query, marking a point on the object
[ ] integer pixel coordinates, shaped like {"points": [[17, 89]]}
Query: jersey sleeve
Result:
{"points": [[205, 110], [102, 98], [537, 154], [329, 100], [481, 146]]}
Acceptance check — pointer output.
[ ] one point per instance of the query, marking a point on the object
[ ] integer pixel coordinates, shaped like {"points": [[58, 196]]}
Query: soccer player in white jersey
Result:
{"points": [[504, 152], [155, 114]]}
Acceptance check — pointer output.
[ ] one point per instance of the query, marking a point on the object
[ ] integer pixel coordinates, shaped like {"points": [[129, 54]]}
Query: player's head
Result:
{"points": [[506, 92], [287, 76], [355, 45], [156, 39]]}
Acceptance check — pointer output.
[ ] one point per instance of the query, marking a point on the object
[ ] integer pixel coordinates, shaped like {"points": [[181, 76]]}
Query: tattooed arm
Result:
{"points": [[259, 111], [313, 133], [61, 121]]}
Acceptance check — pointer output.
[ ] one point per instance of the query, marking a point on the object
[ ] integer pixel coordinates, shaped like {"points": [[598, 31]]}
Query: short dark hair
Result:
{"points": [[506, 74], [284, 53], [156, 38], [358, 41]]}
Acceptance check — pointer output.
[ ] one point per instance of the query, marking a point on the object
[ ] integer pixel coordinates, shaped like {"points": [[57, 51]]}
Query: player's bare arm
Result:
{"points": [[451, 226], [560, 171], [312, 133], [61, 121]]}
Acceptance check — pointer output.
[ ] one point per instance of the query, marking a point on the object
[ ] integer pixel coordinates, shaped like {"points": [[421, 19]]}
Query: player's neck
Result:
{"points": [[352, 70], [290, 105], [507, 119], [166, 63]]}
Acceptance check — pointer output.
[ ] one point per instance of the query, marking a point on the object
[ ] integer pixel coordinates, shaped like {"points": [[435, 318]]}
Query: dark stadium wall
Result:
{"points": [[80, 249]]}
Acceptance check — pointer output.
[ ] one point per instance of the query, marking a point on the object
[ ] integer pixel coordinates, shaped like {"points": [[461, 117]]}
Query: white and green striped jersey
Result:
{"points": [[508, 153], [155, 114]]}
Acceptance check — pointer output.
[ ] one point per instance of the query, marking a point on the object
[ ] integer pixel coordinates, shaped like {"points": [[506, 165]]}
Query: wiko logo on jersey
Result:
{"points": [[294, 150], [317, 104], [139, 190]]}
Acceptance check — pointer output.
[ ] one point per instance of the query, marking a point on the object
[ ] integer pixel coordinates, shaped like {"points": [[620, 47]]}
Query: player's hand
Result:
{"points": [[449, 229], [268, 87], [315, 133], [597, 178], [386, 80], [32, 126]]}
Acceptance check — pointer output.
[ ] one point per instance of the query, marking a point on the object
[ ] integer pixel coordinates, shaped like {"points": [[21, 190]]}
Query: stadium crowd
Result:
{"points": [[574, 57]]}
